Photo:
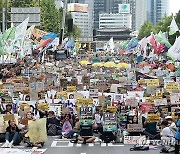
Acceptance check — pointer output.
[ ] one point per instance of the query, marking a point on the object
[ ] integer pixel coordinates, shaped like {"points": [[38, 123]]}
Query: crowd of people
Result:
{"points": [[86, 103]]}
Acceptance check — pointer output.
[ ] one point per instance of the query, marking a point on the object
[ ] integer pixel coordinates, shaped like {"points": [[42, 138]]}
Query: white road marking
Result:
{"points": [[83, 153], [78, 145], [91, 144], [103, 144], [115, 145]]}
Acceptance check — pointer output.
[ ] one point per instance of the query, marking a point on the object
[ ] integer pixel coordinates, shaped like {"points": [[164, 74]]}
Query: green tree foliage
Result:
{"points": [[21, 3], [146, 30], [163, 26], [51, 17]]}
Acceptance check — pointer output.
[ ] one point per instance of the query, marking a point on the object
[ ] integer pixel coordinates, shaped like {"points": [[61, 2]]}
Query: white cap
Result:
{"points": [[168, 117]]}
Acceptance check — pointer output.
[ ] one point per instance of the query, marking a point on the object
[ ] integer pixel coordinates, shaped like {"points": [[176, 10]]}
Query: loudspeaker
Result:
{"points": [[70, 25]]}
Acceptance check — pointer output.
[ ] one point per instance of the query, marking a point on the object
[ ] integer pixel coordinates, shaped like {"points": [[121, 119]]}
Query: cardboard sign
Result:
{"points": [[118, 97], [32, 87], [153, 118], [39, 86], [18, 87], [93, 93], [172, 86], [131, 102], [134, 127], [146, 107], [110, 122], [158, 102], [8, 87], [112, 109], [133, 140], [152, 82], [141, 82], [86, 80], [63, 83], [84, 101], [8, 117], [71, 88], [174, 99], [61, 95]]}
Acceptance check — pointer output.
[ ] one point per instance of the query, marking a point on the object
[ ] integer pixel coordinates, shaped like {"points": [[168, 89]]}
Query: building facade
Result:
{"points": [[117, 20], [156, 10], [141, 13], [81, 19]]}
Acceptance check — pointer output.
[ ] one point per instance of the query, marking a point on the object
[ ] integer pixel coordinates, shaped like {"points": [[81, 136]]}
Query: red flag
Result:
{"points": [[153, 42], [160, 48]]}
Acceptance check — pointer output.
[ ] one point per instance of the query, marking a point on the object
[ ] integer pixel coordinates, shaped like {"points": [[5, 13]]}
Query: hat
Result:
{"points": [[168, 117]]}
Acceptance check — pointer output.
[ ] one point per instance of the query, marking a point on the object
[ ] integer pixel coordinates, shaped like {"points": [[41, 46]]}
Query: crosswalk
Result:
{"points": [[59, 143]]}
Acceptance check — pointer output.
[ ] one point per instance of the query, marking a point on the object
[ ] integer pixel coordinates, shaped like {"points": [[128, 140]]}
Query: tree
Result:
{"points": [[21, 3], [146, 30]]}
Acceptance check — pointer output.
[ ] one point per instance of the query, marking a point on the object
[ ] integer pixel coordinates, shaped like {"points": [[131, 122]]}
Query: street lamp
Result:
{"points": [[63, 20]]}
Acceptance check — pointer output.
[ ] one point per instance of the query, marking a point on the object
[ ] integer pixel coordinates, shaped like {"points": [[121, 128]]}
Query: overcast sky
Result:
{"points": [[174, 6]]}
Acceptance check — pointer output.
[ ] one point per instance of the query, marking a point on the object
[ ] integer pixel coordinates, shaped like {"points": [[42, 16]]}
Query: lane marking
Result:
{"points": [[115, 145], [78, 145], [103, 144], [91, 144]]}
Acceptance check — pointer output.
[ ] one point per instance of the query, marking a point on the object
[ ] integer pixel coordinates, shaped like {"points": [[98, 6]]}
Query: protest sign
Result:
{"points": [[118, 97], [172, 86], [112, 109], [8, 117], [153, 118], [86, 116], [110, 122], [93, 93], [61, 95], [133, 140], [132, 101], [84, 101], [146, 107], [37, 130], [63, 83], [134, 127], [158, 102], [174, 99], [71, 88], [152, 82], [86, 80]]}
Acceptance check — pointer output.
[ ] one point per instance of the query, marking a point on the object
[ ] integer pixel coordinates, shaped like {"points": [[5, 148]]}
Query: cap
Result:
{"points": [[168, 117]]}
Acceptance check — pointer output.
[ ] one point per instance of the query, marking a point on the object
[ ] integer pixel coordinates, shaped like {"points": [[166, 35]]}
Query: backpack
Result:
{"points": [[52, 130]]}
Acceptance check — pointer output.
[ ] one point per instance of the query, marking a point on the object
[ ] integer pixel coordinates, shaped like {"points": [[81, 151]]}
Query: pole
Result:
{"points": [[6, 21], [63, 21], [3, 20]]}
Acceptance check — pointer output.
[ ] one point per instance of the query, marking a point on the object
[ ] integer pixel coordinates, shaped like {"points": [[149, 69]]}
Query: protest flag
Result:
{"points": [[173, 27]]}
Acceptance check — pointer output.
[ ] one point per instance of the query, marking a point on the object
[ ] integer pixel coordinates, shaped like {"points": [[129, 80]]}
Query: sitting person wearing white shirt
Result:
{"points": [[167, 137]]}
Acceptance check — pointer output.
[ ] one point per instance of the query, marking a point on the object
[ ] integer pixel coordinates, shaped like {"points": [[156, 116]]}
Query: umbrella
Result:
{"points": [[97, 64], [96, 60], [123, 65], [84, 62], [109, 64]]}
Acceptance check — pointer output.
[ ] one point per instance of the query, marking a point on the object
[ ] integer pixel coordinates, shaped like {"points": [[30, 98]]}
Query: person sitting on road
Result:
{"points": [[86, 133], [67, 129], [12, 134], [53, 124]]}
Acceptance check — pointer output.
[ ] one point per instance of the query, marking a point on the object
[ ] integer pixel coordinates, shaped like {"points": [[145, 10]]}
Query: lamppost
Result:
{"points": [[6, 14], [63, 20]]}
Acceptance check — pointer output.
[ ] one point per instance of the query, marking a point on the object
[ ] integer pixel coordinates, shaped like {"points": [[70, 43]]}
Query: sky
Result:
{"points": [[174, 6]]}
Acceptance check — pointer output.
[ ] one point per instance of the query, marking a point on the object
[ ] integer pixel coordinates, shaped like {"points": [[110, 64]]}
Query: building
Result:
{"points": [[81, 19], [91, 13], [117, 20], [99, 7], [141, 15], [156, 10]]}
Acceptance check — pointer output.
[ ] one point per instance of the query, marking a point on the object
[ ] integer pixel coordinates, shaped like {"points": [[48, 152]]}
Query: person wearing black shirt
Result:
{"points": [[12, 134]]}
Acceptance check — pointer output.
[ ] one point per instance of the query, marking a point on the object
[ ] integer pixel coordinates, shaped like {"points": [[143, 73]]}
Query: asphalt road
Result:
{"points": [[58, 146]]}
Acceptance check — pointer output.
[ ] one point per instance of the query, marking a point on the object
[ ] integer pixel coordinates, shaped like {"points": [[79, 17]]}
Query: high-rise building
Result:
{"points": [[99, 7], [116, 20], [141, 15], [91, 13], [156, 10]]}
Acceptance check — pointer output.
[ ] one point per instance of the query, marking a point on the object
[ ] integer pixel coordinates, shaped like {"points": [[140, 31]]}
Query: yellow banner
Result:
{"points": [[152, 82], [172, 86], [37, 130], [84, 101], [153, 118], [71, 88], [142, 82], [61, 94], [112, 108]]}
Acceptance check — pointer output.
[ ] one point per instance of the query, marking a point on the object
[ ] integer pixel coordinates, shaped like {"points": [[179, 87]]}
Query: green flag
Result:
{"points": [[124, 45], [162, 39]]}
